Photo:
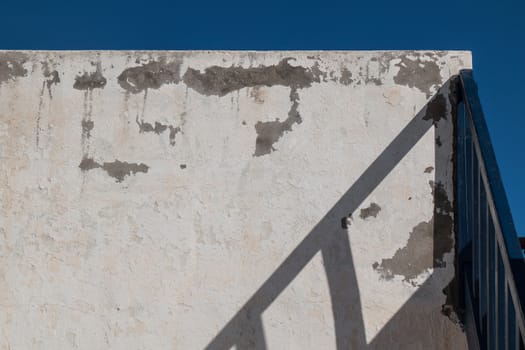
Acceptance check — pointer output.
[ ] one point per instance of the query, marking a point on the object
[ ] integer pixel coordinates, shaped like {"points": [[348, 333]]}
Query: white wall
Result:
{"points": [[178, 200]]}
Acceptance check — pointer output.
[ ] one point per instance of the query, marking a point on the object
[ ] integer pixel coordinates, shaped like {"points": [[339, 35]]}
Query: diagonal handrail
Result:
{"points": [[491, 264]]}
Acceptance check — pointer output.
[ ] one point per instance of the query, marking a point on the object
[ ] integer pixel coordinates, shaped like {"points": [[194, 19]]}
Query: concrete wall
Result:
{"points": [[184, 200]]}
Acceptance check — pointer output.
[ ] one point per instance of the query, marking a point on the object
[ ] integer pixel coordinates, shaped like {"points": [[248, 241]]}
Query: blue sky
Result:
{"points": [[494, 31]]}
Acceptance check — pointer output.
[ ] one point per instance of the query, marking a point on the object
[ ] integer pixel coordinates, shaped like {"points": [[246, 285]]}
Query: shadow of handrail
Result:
{"points": [[245, 330]]}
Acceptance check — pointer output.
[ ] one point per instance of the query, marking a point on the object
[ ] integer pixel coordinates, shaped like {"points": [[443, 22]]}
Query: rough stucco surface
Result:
{"points": [[147, 196]]}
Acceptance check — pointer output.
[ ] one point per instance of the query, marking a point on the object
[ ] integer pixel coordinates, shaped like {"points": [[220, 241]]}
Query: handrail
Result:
{"points": [[490, 262]]}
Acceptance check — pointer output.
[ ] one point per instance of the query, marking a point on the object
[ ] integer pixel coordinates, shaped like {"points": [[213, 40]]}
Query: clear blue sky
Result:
{"points": [[494, 31]]}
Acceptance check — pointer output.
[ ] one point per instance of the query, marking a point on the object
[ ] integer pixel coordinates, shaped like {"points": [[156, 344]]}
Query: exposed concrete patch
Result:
{"points": [[436, 109], [12, 66], [443, 223], [151, 75], [422, 74], [116, 169], [220, 81], [52, 77], [427, 244], [173, 133], [147, 127], [429, 169], [413, 259], [372, 210], [87, 126], [449, 308], [269, 133], [159, 128], [346, 77], [90, 81]]}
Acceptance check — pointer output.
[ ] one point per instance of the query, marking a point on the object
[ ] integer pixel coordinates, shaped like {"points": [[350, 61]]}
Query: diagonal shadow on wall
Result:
{"points": [[245, 329]]}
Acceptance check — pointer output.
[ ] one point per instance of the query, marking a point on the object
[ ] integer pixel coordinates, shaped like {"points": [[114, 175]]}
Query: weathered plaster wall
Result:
{"points": [[179, 200]]}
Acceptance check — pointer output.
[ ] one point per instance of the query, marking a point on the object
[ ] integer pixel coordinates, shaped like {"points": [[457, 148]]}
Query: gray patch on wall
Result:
{"points": [[269, 133], [90, 81], [116, 169], [372, 210], [151, 75], [422, 74], [436, 109], [52, 76], [427, 244], [147, 127], [220, 81], [346, 77], [158, 129], [12, 66]]}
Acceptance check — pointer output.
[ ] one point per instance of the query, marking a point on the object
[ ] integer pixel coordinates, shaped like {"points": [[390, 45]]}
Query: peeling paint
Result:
{"points": [[159, 128], [427, 244], [418, 73], [173, 133], [220, 81], [413, 259], [269, 133], [443, 223], [12, 66], [90, 81], [372, 210], [147, 127], [116, 169], [151, 75], [87, 126], [436, 109], [52, 77], [346, 77]]}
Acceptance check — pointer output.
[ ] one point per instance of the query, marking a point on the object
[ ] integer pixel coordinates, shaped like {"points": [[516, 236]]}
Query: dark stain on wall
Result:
{"points": [[436, 109], [116, 169], [427, 244], [429, 169], [12, 66], [87, 126], [220, 81], [147, 127], [269, 133], [150, 75], [372, 210], [90, 81], [173, 133], [422, 74], [443, 223], [52, 76], [159, 128], [414, 258], [346, 77]]}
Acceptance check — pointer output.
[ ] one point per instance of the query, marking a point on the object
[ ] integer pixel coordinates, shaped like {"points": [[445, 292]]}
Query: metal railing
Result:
{"points": [[490, 264]]}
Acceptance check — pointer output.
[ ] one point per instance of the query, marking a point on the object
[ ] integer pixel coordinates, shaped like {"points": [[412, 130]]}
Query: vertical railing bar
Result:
{"points": [[506, 314], [496, 261], [487, 271]]}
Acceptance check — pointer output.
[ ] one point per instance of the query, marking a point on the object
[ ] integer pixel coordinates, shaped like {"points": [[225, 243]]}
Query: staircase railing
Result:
{"points": [[490, 262]]}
